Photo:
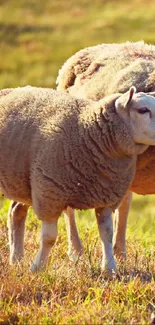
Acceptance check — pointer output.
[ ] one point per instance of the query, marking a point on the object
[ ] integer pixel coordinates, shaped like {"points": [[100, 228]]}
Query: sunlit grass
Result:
{"points": [[37, 37], [79, 293]]}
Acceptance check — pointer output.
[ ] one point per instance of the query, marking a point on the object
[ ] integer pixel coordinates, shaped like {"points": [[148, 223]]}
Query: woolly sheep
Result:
{"points": [[98, 71], [60, 151]]}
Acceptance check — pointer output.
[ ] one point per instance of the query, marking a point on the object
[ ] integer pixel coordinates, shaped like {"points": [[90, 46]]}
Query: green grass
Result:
{"points": [[36, 37], [79, 293]]}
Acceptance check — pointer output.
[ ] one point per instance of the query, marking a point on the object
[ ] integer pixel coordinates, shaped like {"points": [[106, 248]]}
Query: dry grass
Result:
{"points": [[76, 293]]}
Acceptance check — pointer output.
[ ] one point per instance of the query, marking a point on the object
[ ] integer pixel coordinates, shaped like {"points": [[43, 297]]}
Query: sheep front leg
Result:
{"points": [[75, 248], [105, 226], [120, 223], [16, 226], [48, 238]]}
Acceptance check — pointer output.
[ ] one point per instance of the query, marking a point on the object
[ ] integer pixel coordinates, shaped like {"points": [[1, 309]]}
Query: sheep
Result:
{"points": [[60, 151], [98, 71]]}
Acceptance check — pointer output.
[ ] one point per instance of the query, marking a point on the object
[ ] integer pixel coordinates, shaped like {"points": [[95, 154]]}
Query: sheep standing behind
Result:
{"points": [[98, 71], [67, 152]]}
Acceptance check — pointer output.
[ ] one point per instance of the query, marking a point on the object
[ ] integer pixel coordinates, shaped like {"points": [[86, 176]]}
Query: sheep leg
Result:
{"points": [[16, 226], [48, 238], [105, 226], [75, 248], [120, 222]]}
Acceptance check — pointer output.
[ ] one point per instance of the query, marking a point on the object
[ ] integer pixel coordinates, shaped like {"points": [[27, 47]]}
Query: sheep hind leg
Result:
{"points": [[75, 248], [105, 226], [16, 227], [120, 223], [48, 238]]}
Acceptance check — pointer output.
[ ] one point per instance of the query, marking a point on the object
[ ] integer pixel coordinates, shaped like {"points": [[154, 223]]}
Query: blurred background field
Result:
{"points": [[36, 37]]}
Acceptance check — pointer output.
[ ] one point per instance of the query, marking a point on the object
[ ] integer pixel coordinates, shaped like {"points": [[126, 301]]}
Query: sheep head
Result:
{"points": [[138, 112]]}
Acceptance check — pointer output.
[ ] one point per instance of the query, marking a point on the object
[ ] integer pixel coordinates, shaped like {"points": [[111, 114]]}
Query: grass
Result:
{"points": [[36, 37], [79, 293]]}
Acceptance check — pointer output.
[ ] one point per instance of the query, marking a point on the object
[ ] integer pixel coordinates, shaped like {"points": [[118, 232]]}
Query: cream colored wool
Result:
{"points": [[98, 71], [93, 73], [59, 151], [101, 70]]}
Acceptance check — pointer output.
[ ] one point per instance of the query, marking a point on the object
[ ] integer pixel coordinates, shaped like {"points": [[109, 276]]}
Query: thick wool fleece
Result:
{"points": [[104, 69], [111, 68], [59, 151]]}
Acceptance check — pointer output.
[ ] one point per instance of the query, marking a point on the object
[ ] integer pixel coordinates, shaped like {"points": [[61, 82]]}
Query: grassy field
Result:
{"points": [[36, 37]]}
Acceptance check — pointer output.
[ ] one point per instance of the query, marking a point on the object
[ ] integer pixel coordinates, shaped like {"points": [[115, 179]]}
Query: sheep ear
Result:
{"points": [[124, 100]]}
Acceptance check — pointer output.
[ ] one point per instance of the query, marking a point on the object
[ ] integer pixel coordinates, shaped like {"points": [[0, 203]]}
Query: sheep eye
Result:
{"points": [[143, 110]]}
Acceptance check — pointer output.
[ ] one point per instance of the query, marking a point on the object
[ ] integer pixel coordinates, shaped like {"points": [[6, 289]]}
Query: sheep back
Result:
{"points": [[111, 68]]}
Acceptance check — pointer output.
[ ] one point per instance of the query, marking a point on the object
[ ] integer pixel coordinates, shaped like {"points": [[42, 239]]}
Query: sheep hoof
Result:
{"points": [[120, 253], [15, 258], [109, 266], [109, 274], [34, 268]]}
